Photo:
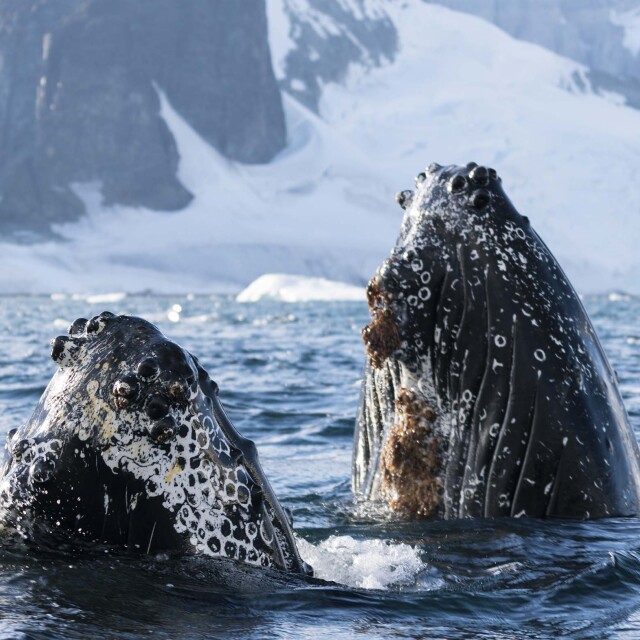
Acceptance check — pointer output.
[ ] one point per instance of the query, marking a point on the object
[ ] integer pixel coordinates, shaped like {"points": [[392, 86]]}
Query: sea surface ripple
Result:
{"points": [[289, 375]]}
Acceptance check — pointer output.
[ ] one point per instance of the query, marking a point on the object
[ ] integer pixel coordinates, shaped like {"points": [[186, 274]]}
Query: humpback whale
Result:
{"points": [[486, 390], [486, 394], [130, 447]]}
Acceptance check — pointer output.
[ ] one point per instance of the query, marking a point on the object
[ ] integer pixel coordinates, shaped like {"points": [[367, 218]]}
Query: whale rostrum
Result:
{"points": [[130, 447], [486, 390]]}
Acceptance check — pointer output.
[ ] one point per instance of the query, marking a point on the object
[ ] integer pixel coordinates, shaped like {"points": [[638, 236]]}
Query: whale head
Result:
{"points": [[482, 367], [130, 447]]}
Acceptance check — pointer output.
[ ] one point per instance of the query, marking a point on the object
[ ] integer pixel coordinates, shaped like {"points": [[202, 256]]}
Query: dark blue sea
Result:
{"points": [[289, 375]]}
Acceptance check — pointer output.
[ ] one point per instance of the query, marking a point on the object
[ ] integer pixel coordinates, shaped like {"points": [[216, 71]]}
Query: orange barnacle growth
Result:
{"points": [[381, 336], [410, 460]]}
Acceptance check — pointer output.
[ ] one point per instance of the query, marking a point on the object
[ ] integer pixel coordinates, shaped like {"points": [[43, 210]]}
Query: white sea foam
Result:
{"points": [[616, 296], [288, 288], [61, 323], [364, 564]]}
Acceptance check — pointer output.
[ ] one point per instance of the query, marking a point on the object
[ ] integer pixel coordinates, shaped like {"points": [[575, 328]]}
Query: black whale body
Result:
{"points": [[486, 391], [129, 447]]}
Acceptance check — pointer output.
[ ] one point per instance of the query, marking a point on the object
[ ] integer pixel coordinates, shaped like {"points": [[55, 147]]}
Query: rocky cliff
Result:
{"points": [[79, 83], [316, 42]]}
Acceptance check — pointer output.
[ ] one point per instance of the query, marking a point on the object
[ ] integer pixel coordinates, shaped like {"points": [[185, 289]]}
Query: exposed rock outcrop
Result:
{"points": [[79, 82], [327, 37]]}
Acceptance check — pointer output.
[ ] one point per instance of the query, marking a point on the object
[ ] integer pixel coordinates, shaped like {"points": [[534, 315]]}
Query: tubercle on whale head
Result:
{"points": [[130, 447], [155, 386], [450, 208], [65, 349]]}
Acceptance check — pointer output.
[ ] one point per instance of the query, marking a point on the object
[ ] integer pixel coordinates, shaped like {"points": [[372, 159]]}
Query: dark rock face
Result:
{"points": [[329, 36], [79, 100]]}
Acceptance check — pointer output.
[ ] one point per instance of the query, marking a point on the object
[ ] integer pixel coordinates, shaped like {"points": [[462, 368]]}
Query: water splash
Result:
{"points": [[365, 564]]}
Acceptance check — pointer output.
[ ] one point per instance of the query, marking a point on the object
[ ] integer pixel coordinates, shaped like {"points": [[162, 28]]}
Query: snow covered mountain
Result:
{"points": [[78, 101], [603, 34], [314, 42], [434, 85]]}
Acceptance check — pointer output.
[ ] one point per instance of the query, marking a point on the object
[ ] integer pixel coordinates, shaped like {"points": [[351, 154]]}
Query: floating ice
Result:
{"points": [[290, 288], [106, 298]]}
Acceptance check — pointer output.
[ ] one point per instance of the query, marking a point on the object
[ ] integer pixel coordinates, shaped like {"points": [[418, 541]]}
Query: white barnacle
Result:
{"points": [[503, 500], [539, 355]]}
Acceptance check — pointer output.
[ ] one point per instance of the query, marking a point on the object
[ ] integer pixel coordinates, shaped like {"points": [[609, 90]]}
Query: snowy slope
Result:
{"points": [[319, 208], [458, 89], [461, 89]]}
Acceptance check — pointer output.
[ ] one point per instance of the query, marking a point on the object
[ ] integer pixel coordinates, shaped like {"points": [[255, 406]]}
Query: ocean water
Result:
{"points": [[289, 376]]}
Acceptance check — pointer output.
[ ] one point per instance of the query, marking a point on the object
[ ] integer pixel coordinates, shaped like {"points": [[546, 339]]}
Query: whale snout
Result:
{"points": [[130, 447], [475, 325]]}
